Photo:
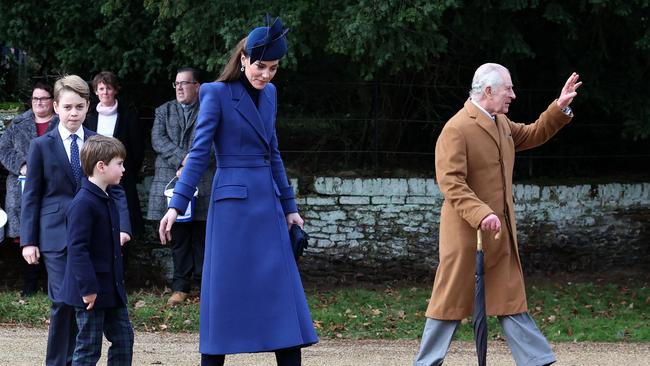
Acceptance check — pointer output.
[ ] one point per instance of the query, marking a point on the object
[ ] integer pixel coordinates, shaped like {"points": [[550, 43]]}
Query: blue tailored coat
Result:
{"points": [[94, 263], [49, 189], [252, 297]]}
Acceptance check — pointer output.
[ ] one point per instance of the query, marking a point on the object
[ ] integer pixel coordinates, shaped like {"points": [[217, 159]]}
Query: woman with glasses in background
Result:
{"points": [[14, 146]]}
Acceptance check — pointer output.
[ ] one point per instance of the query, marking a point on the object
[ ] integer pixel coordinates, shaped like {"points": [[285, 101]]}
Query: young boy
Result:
{"points": [[94, 276], [54, 177]]}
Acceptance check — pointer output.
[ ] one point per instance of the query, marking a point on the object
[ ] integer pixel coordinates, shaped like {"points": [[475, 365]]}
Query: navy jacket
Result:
{"points": [[49, 188], [94, 257]]}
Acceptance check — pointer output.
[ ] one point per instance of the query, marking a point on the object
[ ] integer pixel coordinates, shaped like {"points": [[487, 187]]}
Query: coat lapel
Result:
{"points": [[485, 122], [180, 115], [118, 125], [267, 112], [245, 106], [59, 152], [193, 115], [91, 121]]}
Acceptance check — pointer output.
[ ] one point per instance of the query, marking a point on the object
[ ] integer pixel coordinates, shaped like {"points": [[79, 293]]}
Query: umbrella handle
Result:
{"points": [[479, 239]]}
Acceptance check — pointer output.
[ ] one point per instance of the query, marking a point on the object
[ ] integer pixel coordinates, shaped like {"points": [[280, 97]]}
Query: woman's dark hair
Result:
{"points": [[232, 70], [108, 78], [44, 86]]}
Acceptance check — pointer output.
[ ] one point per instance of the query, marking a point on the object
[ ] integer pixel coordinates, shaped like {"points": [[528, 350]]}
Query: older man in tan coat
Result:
{"points": [[475, 155]]}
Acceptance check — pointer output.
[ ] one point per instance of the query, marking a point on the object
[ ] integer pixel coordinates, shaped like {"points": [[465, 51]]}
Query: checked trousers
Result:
{"points": [[93, 324]]}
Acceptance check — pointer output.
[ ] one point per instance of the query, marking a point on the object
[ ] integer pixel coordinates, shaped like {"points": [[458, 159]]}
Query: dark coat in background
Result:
{"points": [[14, 146], [171, 139], [129, 132]]}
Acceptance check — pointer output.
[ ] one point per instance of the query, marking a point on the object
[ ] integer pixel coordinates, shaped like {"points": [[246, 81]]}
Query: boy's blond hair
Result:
{"points": [[71, 83], [99, 148]]}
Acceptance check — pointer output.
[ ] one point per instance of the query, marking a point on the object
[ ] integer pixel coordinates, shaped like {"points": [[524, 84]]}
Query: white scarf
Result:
{"points": [[107, 111]]}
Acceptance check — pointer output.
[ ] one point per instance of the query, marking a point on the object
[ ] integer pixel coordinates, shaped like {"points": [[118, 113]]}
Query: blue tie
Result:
{"points": [[74, 158]]}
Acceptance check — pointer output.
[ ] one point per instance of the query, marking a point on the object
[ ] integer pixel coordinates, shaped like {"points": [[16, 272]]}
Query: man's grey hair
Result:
{"points": [[489, 74]]}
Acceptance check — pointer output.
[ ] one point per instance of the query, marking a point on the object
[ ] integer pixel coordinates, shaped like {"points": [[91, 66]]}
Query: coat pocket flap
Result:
{"points": [[231, 191], [48, 209]]}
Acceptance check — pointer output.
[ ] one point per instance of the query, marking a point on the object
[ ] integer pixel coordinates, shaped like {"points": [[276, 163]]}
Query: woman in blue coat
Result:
{"points": [[252, 299]]}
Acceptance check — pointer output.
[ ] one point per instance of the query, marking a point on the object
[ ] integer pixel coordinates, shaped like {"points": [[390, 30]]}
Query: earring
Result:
{"points": [[242, 68]]}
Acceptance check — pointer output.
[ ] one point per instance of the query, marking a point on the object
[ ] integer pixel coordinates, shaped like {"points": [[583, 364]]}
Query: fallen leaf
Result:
{"points": [[552, 318], [139, 304]]}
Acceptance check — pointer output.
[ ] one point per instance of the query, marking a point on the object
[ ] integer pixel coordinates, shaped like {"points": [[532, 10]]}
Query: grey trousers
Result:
{"points": [[526, 342]]}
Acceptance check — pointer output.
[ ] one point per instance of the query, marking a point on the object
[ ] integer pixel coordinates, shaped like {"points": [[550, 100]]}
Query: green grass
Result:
{"points": [[564, 312]]}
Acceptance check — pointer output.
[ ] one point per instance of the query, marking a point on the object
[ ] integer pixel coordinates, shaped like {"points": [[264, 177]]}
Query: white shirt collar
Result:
{"points": [[65, 134], [482, 109]]}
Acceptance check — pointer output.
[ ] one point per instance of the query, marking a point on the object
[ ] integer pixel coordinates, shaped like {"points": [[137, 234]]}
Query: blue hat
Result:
{"points": [[267, 43]]}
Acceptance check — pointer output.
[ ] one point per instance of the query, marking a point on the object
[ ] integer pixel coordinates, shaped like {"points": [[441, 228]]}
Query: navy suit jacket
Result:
{"points": [[49, 188], [94, 263]]}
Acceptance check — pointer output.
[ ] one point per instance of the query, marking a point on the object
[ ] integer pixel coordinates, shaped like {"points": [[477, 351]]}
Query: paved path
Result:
{"points": [[26, 346]]}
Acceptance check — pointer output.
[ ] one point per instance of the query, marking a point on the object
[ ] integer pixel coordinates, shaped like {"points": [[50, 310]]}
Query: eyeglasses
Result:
{"points": [[40, 99], [182, 84]]}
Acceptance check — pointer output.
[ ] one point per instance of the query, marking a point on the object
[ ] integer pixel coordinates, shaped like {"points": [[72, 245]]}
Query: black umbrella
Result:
{"points": [[480, 319]]}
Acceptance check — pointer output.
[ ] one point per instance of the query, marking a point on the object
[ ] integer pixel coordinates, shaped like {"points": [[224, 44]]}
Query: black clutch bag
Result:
{"points": [[299, 240]]}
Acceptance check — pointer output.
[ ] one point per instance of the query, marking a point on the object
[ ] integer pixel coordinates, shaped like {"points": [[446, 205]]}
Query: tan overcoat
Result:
{"points": [[474, 161]]}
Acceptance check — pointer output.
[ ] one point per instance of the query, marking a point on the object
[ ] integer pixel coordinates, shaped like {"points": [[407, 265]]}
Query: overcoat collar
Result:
{"points": [[486, 123], [93, 188], [261, 120], [180, 113]]}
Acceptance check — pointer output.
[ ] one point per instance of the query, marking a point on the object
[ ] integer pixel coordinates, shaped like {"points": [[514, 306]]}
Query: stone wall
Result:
{"points": [[387, 229], [378, 229]]}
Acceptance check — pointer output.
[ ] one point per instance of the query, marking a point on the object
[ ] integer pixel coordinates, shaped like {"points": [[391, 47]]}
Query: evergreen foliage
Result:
{"points": [[390, 59]]}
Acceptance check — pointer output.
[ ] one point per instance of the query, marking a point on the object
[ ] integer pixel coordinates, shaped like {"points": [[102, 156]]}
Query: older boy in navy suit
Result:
{"points": [[94, 276], [53, 177]]}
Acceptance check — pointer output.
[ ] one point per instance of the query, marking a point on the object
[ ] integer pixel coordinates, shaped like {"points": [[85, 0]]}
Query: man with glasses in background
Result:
{"points": [[171, 139]]}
